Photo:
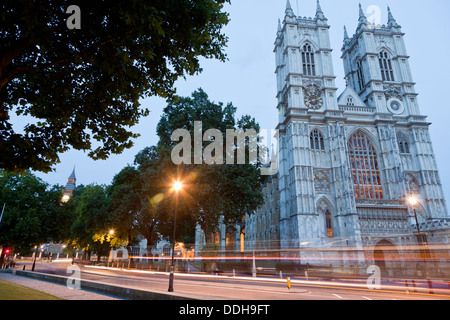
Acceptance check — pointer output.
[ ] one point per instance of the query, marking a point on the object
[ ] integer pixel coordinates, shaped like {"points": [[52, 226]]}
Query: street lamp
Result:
{"points": [[422, 241], [177, 186], [413, 202], [34, 262]]}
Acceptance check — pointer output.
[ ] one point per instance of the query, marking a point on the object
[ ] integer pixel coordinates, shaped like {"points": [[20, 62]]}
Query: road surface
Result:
{"points": [[227, 287]]}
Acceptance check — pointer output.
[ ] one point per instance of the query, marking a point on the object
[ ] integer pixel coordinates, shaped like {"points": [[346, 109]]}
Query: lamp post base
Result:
{"points": [[171, 280]]}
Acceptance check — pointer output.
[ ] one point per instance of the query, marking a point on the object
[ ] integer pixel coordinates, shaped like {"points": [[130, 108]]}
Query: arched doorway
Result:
{"points": [[387, 258]]}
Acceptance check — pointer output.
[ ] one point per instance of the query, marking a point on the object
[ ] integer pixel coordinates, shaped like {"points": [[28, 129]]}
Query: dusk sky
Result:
{"points": [[248, 79]]}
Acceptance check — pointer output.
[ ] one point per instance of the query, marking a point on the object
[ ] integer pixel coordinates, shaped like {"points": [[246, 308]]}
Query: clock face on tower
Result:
{"points": [[313, 101]]}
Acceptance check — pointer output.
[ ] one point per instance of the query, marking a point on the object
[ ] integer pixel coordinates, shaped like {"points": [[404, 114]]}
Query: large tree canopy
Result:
{"points": [[213, 191], [34, 212], [83, 86]]}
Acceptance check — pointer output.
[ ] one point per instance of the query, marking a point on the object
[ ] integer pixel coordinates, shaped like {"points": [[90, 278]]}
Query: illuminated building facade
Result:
{"points": [[348, 163]]}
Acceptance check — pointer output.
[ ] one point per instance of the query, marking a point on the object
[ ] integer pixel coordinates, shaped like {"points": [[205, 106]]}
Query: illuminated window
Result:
{"points": [[215, 236], [329, 224], [230, 239], [387, 72], [309, 65], [364, 167]]}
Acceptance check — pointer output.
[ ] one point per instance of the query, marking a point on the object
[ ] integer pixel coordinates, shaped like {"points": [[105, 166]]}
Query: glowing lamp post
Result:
{"points": [[413, 202], [177, 186], [422, 242]]}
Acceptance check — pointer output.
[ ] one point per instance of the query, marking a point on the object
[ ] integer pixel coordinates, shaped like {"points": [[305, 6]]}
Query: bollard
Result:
{"points": [[289, 283]]}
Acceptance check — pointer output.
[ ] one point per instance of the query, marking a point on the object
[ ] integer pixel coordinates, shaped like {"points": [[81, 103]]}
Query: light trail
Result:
{"points": [[390, 289]]}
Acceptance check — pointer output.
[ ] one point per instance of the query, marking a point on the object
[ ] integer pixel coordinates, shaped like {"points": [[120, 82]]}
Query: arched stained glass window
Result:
{"points": [[364, 167], [316, 140], [309, 65], [387, 72]]}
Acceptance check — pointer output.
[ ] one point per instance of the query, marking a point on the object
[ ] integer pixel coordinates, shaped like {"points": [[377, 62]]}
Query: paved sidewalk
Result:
{"points": [[56, 290]]}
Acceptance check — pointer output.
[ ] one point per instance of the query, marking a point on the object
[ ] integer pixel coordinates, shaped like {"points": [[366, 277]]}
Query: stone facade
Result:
{"points": [[348, 163]]}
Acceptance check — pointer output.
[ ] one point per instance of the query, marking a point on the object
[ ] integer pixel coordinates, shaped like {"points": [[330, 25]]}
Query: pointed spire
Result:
{"points": [[346, 34], [289, 11], [72, 176], [391, 21], [319, 9], [279, 31], [361, 12], [346, 38], [319, 12], [362, 16]]}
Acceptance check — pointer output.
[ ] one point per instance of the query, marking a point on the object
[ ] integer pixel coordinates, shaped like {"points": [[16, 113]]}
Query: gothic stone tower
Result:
{"points": [[349, 163], [70, 186], [316, 201]]}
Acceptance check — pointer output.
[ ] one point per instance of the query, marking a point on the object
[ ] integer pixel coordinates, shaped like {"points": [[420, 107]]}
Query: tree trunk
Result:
{"points": [[128, 247]]}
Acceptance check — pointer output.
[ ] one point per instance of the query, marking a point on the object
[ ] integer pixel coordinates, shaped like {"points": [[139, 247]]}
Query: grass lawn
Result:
{"points": [[12, 291]]}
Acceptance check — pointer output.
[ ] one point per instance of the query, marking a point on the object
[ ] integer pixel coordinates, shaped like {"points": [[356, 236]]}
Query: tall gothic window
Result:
{"points": [[387, 72], [364, 167], [309, 65], [316, 140], [360, 74], [403, 144], [329, 224]]}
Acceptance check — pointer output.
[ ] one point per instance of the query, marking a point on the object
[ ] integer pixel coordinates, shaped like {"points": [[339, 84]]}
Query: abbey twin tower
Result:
{"points": [[356, 168], [357, 182]]}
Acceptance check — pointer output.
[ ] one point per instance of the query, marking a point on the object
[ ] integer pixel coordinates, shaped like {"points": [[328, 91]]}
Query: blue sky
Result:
{"points": [[248, 80]]}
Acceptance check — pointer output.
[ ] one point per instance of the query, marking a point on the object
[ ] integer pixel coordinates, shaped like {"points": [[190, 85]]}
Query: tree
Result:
{"points": [[34, 212], [141, 201], [125, 204], [157, 217], [214, 191], [83, 86], [93, 220]]}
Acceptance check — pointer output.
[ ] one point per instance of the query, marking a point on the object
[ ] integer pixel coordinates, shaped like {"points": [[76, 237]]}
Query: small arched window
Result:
{"points": [[317, 141], [309, 65], [403, 144], [329, 224], [387, 72], [215, 236], [230, 239], [350, 101]]}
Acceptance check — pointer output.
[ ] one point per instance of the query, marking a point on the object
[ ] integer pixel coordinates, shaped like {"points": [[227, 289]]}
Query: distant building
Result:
{"points": [[70, 186]]}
